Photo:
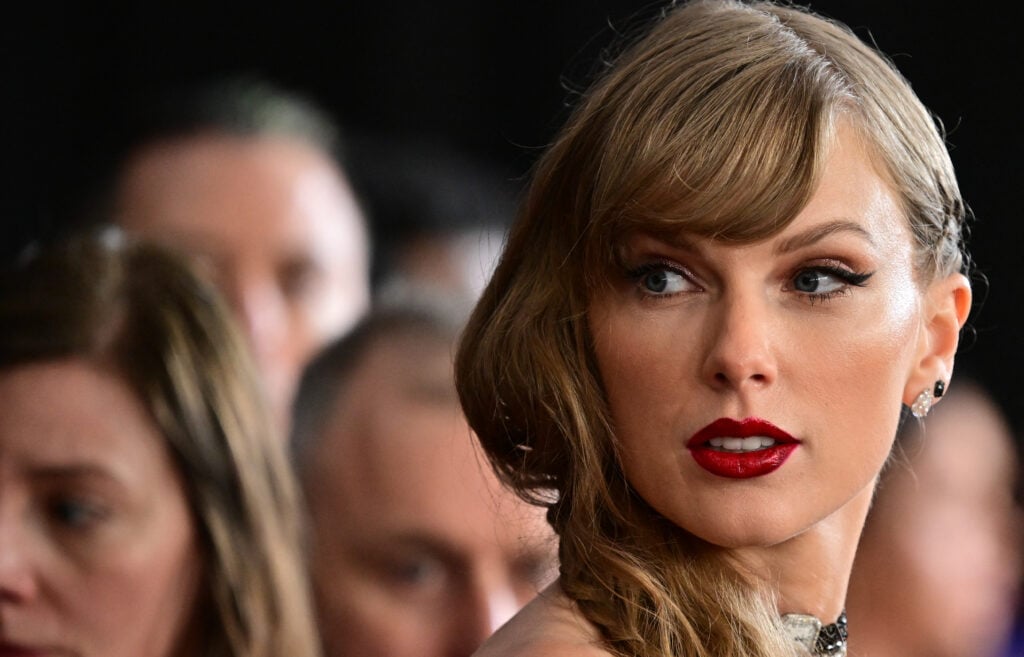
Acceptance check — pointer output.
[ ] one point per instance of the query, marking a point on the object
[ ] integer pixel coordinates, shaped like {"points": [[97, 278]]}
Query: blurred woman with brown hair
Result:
{"points": [[144, 508]]}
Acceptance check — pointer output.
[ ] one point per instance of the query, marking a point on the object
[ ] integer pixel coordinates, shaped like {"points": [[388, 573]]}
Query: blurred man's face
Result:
{"points": [[276, 227], [952, 540], [418, 550]]}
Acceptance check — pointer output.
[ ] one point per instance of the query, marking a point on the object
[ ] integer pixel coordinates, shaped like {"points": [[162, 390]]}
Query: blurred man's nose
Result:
{"points": [[487, 606]]}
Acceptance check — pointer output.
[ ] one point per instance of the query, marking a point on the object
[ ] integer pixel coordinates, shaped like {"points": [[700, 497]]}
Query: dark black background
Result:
{"points": [[491, 77]]}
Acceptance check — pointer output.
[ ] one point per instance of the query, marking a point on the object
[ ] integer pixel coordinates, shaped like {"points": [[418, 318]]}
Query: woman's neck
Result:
{"points": [[810, 572]]}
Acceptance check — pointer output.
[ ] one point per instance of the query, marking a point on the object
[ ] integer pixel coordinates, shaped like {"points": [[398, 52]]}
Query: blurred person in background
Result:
{"points": [[144, 507], [439, 217], [938, 569], [243, 176], [418, 551]]}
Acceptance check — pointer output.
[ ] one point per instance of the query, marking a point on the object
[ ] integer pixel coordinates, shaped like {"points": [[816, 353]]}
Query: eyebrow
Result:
{"points": [[419, 541], [818, 233], [431, 392], [72, 471]]}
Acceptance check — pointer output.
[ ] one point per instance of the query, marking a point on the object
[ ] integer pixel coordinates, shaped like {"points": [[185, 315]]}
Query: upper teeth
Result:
{"points": [[748, 444]]}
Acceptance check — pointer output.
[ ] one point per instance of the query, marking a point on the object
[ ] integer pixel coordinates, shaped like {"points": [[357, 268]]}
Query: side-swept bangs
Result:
{"points": [[735, 122]]}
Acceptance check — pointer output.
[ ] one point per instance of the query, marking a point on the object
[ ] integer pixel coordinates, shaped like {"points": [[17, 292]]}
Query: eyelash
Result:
{"points": [[849, 277]]}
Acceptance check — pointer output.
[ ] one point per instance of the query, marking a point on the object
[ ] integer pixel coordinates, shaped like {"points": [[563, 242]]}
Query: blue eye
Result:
{"points": [[824, 282], [809, 280], [659, 280]]}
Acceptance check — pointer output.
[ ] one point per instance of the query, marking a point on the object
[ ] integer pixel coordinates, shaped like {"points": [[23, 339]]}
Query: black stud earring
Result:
{"points": [[940, 388]]}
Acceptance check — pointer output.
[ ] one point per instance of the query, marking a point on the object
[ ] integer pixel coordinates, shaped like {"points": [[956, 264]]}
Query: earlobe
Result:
{"points": [[947, 306]]}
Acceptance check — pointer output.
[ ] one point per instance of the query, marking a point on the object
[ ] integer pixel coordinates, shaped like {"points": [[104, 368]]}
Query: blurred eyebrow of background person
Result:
{"points": [[937, 573], [439, 216], [145, 508], [243, 176], [418, 551]]}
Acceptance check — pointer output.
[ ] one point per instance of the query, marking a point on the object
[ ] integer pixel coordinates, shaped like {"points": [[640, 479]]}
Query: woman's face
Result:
{"points": [[801, 345], [98, 554]]}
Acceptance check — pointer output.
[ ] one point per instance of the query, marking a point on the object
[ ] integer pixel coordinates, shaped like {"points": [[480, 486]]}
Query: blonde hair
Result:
{"points": [[717, 123], [142, 311]]}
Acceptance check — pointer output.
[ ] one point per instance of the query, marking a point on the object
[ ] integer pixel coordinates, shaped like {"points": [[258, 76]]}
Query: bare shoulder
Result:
{"points": [[550, 626]]}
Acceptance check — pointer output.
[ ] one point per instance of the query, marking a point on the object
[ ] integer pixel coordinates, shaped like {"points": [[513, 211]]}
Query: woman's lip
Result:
{"points": [[729, 428], [746, 464], [743, 465]]}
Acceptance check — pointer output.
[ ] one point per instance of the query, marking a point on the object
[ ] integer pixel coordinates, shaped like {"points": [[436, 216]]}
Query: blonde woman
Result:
{"points": [[144, 508], [734, 268]]}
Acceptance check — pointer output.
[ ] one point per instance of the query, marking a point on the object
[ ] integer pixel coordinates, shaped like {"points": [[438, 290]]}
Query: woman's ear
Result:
{"points": [[946, 305]]}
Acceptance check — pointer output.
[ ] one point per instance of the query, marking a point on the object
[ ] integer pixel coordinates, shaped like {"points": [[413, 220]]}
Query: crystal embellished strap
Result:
{"points": [[819, 640]]}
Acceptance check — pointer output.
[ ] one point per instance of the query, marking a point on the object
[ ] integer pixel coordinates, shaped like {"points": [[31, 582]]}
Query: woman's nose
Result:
{"points": [[740, 342], [17, 579]]}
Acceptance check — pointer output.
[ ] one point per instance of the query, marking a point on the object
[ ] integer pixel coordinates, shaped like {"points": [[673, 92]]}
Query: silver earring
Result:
{"points": [[922, 404]]}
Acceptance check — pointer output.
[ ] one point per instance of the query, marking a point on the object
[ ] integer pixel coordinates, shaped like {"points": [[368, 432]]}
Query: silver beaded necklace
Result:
{"points": [[818, 639]]}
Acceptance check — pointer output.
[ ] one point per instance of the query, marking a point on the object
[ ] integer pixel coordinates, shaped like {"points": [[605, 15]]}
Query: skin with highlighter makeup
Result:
{"points": [[747, 329], [744, 330]]}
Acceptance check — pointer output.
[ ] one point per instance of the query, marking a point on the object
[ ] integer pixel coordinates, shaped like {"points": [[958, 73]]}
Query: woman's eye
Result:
{"points": [[75, 513], [816, 281], [825, 281], [661, 281]]}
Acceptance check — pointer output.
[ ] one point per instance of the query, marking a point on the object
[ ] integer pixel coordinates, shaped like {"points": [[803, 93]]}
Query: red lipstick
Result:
{"points": [[724, 461]]}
